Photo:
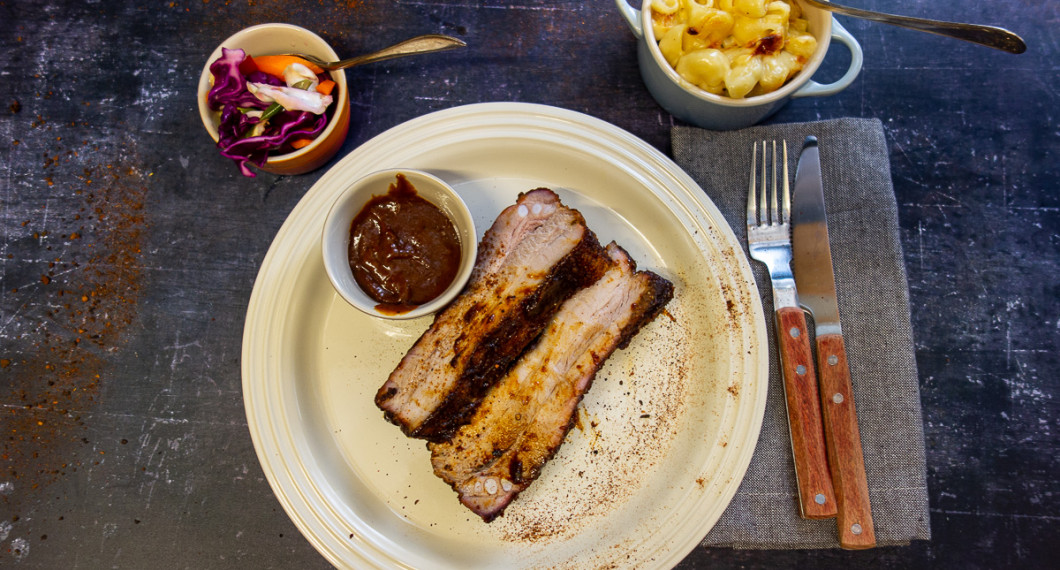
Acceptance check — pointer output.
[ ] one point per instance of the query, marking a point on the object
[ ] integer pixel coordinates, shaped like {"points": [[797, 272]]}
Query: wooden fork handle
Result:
{"points": [[843, 437], [816, 497]]}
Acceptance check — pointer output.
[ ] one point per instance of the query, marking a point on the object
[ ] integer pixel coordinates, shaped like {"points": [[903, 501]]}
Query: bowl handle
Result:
{"points": [[841, 35], [632, 16]]}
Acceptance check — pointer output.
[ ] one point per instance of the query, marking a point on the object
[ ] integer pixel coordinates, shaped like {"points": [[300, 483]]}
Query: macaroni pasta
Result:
{"points": [[733, 47]]}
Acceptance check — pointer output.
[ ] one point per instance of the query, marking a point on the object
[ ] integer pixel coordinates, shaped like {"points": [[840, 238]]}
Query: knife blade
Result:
{"points": [[815, 281]]}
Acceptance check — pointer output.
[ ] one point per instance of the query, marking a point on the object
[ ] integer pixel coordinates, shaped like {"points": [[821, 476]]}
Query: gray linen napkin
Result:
{"points": [[874, 305]]}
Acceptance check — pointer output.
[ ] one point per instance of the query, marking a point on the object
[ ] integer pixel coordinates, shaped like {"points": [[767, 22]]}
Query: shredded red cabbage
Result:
{"points": [[229, 85], [284, 128], [262, 77], [229, 94]]}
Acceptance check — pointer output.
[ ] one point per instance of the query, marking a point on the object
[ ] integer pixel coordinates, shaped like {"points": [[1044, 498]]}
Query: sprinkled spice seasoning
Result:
{"points": [[67, 324]]}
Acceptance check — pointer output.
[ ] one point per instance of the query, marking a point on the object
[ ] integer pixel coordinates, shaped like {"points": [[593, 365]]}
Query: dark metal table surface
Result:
{"points": [[129, 250]]}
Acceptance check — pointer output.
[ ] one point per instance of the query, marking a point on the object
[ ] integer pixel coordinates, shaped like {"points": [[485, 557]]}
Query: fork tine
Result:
{"points": [[763, 202], [752, 210], [769, 190], [787, 190], [774, 207]]}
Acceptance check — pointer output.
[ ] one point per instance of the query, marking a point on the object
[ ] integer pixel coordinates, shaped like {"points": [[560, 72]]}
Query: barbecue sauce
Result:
{"points": [[404, 251]]}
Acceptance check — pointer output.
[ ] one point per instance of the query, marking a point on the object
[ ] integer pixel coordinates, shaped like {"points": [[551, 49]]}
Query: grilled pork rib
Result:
{"points": [[523, 420], [535, 256]]}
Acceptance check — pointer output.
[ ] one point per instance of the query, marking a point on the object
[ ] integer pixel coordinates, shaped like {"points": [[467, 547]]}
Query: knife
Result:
{"points": [[815, 281]]}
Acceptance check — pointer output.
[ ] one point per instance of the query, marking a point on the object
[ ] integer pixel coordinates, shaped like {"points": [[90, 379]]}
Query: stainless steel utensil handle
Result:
{"points": [[429, 43], [989, 36]]}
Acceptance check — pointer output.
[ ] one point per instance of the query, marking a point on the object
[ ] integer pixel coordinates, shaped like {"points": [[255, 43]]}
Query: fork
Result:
{"points": [[429, 43], [769, 241]]}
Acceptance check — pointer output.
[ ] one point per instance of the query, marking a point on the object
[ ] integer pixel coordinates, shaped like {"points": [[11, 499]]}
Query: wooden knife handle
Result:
{"points": [[816, 497], [845, 456]]}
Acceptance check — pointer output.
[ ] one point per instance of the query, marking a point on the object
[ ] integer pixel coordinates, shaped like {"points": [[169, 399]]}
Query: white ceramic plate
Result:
{"points": [[663, 437]]}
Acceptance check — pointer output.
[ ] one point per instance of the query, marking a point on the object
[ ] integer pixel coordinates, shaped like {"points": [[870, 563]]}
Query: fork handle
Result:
{"points": [[816, 496], [846, 458]]}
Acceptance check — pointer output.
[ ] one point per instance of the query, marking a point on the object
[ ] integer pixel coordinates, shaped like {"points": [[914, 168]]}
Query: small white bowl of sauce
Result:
{"points": [[399, 244]]}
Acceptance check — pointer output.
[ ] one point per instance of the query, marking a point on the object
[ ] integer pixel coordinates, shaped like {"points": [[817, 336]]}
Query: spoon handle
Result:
{"points": [[990, 36], [421, 44]]}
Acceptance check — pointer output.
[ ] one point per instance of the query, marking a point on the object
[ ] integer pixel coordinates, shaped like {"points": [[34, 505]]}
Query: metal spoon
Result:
{"points": [[990, 36], [420, 44]]}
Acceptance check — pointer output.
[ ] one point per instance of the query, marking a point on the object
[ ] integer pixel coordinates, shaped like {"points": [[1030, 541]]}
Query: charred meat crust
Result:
{"points": [[536, 255], [494, 384], [522, 423], [494, 354]]}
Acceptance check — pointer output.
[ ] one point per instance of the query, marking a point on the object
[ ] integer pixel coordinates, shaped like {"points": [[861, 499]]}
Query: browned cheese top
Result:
{"points": [[404, 251]]}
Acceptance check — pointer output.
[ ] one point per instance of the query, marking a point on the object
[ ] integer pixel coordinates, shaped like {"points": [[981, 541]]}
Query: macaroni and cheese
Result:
{"points": [[733, 47]]}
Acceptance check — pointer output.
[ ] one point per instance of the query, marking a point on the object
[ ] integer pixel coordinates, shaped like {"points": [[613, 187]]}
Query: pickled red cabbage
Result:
{"points": [[237, 105]]}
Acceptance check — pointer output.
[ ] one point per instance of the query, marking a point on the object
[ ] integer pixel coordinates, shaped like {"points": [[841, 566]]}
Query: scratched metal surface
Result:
{"points": [[128, 250]]}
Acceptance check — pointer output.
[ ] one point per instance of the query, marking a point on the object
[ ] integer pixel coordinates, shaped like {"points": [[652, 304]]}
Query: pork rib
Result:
{"points": [[524, 419], [535, 256]]}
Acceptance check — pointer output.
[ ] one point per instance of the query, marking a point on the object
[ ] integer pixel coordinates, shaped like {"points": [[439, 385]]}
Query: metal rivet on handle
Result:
{"points": [[833, 360], [819, 498], [800, 370], [794, 332], [855, 528], [837, 398]]}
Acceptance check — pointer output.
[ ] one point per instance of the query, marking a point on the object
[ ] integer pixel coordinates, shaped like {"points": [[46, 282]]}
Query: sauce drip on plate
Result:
{"points": [[404, 251]]}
